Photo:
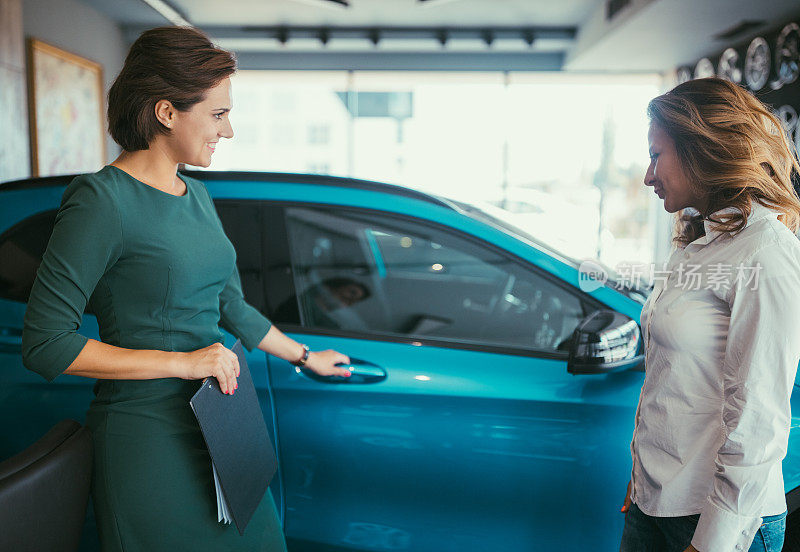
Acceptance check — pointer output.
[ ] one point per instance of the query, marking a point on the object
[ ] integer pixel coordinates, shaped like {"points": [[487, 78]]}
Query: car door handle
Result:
{"points": [[361, 371]]}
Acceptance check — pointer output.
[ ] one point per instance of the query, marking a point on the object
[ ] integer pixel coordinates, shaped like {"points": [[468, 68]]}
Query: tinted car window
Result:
{"points": [[257, 232], [242, 225], [373, 273], [21, 251]]}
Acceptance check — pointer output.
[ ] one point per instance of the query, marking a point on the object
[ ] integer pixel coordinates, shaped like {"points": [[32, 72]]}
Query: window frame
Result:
{"points": [[333, 209]]}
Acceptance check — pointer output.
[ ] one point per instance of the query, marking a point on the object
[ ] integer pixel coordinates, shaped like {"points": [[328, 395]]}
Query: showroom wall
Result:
{"points": [[67, 24], [768, 65]]}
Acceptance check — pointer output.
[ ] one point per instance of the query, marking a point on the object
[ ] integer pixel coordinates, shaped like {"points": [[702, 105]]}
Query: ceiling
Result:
{"points": [[571, 35], [359, 12]]}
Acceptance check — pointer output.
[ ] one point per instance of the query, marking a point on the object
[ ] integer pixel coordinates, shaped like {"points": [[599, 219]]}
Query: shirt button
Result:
{"points": [[738, 547], [744, 533]]}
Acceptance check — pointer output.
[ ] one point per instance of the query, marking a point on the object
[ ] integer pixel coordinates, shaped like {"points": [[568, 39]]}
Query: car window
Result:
{"points": [[21, 251], [258, 233], [243, 226], [376, 273]]}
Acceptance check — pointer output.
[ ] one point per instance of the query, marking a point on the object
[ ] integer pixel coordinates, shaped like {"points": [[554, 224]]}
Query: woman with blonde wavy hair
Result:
{"points": [[721, 331]]}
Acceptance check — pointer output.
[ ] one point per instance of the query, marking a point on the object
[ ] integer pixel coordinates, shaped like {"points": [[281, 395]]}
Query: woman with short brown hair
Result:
{"points": [[143, 246], [721, 332]]}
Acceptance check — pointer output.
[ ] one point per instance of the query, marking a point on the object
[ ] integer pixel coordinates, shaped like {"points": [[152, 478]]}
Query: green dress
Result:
{"points": [[159, 273]]}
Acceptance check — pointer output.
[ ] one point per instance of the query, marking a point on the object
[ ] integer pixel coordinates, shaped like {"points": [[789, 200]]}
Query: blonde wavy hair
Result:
{"points": [[733, 151]]}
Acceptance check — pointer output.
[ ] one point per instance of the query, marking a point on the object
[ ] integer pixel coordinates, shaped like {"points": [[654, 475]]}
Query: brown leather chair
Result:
{"points": [[44, 491]]}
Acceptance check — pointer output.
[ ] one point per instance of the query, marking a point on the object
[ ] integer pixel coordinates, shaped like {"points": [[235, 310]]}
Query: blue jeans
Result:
{"points": [[643, 533]]}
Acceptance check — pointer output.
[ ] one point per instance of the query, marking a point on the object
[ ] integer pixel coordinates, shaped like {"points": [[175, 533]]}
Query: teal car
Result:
{"points": [[492, 400]]}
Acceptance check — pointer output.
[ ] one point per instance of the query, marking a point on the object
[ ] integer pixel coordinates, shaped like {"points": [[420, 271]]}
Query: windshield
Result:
{"points": [[497, 217]]}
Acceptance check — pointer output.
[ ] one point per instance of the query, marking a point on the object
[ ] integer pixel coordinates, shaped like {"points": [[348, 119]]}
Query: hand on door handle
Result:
{"points": [[361, 371]]}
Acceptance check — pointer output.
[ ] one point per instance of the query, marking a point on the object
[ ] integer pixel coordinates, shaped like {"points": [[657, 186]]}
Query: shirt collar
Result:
{"points": [[757, 212]]}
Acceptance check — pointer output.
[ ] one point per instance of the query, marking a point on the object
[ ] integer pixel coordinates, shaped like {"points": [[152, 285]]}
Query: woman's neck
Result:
{"points": [[152, 166]]}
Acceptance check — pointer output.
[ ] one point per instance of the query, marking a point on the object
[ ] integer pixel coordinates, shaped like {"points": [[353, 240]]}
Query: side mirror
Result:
{"points": [[605, 341]]}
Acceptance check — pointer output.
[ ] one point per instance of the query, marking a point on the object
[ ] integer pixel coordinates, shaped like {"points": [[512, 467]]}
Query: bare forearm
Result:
{"points": [[324, 363], [103, 361], [281, 345]]}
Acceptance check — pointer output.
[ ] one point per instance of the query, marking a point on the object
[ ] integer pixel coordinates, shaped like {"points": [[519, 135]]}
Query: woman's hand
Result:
{"points": [[627, 504], [215, 360], [324, 363]]}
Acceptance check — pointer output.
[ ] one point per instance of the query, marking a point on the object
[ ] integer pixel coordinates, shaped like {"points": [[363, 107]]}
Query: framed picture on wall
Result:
{"points": [[66, 110]]}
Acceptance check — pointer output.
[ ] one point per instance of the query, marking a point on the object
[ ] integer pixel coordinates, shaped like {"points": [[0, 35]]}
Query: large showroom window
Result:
{"points": [[559, 155]]}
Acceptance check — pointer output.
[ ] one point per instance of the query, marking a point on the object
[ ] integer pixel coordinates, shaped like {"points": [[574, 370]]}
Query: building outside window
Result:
{"points": [[560, 155]]}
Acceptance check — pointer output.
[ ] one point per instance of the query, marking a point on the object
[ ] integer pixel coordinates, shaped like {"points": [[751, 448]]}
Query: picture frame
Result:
{"points": [[66, 111]]}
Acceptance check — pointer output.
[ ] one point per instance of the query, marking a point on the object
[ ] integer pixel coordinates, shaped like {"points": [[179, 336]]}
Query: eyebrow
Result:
{"points": [[223, 109]]}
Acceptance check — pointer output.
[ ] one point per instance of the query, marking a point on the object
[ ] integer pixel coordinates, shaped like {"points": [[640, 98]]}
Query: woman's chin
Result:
{"points": [[669, 207], [204, 162]]}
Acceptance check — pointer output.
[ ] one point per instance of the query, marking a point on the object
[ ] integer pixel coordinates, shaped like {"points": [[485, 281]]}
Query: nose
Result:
{"points": [[227, 130], [650, 175]]}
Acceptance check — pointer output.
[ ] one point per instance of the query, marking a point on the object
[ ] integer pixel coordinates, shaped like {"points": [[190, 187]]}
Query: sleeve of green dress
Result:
{"points": [[239, 317], [236, 315], [86, 242]]}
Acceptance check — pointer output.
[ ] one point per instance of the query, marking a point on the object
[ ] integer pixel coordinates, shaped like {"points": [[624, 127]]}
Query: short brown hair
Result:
{"points": [[178, 64], [733, 151]]}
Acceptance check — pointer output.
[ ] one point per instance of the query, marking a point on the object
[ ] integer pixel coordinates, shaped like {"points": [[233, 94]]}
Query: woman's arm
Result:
{"points": [[244, 321], [103, 361], [323, 363], [761, 358], [85, 243], [87, 240]]}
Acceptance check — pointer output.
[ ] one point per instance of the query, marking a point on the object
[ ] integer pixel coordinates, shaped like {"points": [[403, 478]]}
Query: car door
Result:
{"points": [[460, 428], [27, 214], [29, 405]]}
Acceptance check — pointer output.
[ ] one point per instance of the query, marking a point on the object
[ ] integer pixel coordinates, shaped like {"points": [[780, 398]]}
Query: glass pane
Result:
{"points": [[242, 225], [378, 274], [287, 122], [577, 154], [21, 251], [561, 156]]}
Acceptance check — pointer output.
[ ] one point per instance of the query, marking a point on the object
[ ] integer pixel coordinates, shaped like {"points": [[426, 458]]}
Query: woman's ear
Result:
{"points": [[165, 113]]}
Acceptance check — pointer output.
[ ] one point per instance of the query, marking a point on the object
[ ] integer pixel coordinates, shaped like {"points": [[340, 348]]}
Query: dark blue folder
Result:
{"points": [[237, 440]]}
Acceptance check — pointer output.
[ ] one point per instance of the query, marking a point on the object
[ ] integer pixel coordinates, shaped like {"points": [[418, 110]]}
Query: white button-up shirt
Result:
{"points": [[722, 342]]}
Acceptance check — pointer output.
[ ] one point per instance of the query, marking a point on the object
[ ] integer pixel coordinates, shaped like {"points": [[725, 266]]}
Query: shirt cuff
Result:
{"points": [[721, 531]]}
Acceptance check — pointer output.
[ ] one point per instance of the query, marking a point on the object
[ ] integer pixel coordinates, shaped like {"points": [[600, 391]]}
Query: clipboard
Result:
{"points": [[235, 433]]}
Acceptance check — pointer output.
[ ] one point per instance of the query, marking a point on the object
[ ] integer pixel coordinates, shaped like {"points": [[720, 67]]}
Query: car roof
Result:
{"points": [[267, 178]]}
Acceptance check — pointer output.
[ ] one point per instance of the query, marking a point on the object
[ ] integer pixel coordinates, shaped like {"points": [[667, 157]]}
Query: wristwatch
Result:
{"points": [[304, 357]]}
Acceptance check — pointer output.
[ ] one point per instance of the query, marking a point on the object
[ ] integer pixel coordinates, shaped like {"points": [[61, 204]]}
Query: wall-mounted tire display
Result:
{"points": [[729, 66], [787, 54], [704, 68], [757, 64]]}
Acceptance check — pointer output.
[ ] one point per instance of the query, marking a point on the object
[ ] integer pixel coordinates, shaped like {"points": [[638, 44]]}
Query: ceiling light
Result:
{"points": [[335, 4], [428, 3], [168, 12]]}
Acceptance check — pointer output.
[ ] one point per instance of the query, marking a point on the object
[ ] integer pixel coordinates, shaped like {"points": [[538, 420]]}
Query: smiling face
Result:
{"points": [[195, 133], [665, 173]]}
